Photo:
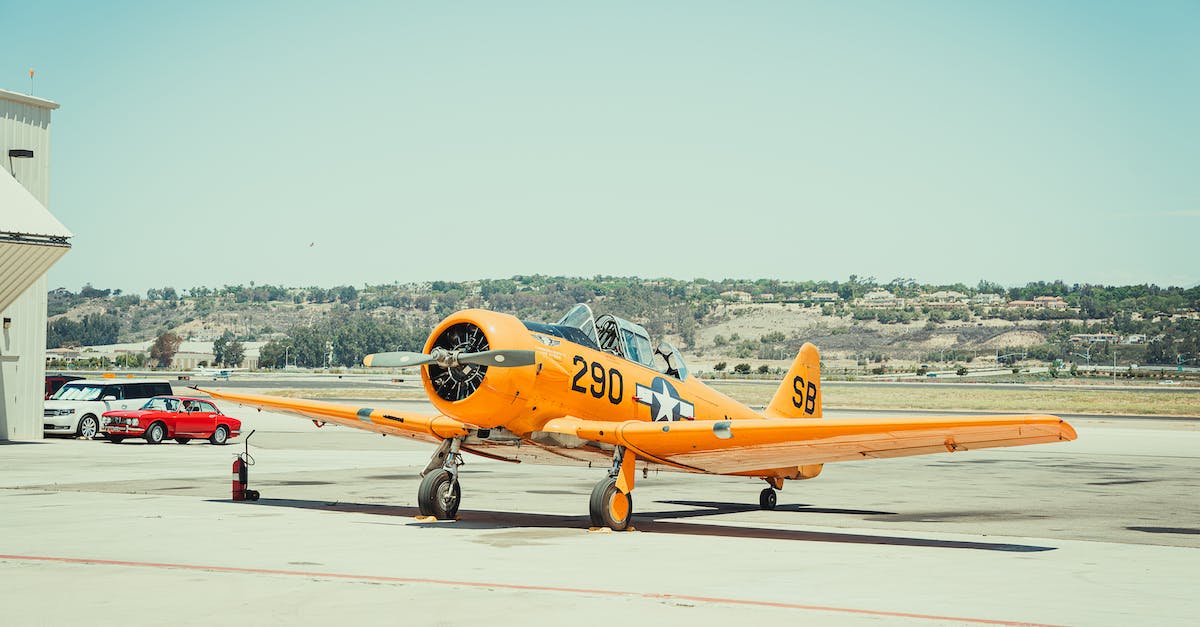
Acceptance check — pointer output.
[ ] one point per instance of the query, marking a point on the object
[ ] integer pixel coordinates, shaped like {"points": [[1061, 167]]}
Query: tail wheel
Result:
{"points": [[439, 495], [458, 382], [610, 507]]}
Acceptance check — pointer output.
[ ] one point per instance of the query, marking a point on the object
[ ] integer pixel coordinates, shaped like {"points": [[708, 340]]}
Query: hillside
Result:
{"points": [[712, 321]]}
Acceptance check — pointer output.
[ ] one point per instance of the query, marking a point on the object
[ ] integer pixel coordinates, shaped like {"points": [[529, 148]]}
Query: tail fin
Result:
{"points": [[799, 396]]}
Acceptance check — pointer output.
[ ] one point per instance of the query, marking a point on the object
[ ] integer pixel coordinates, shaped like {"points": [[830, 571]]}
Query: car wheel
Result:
{"points": [[183, 440], [156, 433], [220, 436], [88, 427]]}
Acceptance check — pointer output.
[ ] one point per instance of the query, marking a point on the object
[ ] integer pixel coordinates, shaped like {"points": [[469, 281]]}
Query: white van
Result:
{"points": [[77, 406]]}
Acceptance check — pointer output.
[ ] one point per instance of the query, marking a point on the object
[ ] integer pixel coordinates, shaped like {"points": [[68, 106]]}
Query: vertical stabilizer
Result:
{"points": [[799, 396]]}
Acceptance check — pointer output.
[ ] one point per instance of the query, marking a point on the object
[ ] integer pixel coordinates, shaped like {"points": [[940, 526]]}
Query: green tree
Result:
{"points": [[221, 348], [742, 368], [235, 354], [274, 354], [719, 366]]}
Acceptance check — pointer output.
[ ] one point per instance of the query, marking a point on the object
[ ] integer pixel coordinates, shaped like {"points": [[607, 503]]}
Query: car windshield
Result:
{"points": [[162, 404], [74, 392]]}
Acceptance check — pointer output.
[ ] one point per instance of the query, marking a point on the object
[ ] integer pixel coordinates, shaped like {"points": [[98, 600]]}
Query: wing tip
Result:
{"points": [[1065, 431]]}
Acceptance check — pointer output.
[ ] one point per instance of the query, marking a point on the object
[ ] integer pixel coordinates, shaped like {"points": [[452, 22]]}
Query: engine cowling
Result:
{"points": [[479, 395]]}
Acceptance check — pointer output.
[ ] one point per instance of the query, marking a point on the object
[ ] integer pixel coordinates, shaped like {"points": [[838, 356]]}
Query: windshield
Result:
{"points": [[672, 361], [639, 348], [581, 318], [75, 392], [162, 404]]}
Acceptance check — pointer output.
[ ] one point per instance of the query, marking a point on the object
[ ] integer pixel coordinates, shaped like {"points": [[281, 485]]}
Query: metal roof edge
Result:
{"points": [[27, 99]]}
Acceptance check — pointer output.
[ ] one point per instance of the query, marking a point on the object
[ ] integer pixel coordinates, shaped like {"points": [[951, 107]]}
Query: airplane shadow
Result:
{"points": [[656, 522]]}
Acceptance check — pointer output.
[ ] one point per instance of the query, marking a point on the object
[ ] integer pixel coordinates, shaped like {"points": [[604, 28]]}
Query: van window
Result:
{"points": [[114, 391], [146, 390], [159, 389]]}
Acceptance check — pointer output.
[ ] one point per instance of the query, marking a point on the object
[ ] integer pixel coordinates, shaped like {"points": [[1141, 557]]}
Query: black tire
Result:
{"points": [[116, 439], [156, 433], [604, 497], [439, 496], [251, 495], [220, 436], [89, 427], [767, 498], [183, 440]]}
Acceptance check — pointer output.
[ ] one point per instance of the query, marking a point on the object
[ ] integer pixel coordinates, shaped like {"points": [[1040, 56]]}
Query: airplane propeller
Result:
{"points": [[451, 359]]}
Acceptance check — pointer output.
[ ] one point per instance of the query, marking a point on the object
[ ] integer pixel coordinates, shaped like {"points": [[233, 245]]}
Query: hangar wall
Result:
{"points": [[24, 125]]}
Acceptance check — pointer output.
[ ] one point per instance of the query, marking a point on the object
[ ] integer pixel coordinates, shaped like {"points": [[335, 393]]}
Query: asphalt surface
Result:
{"points": [[1100, 531]]}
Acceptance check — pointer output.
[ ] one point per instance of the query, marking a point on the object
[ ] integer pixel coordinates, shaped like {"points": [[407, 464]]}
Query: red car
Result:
{"points": [[179, 417]]}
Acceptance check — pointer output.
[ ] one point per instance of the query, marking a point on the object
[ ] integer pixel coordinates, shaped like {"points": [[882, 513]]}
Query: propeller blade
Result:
{"points": [[446, 359], [397, 359], [499, 358]]}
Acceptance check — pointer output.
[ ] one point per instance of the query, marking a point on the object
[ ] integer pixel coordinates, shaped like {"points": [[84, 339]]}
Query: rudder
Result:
{"points": [[799, 395]]}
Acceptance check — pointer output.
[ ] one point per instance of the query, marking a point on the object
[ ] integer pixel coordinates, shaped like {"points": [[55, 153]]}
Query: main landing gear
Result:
{"points": [[611, 504], [439, 494]]}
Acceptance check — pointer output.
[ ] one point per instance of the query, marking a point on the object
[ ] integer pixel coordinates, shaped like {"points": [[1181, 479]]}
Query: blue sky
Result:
{"points": [[307, 143]]}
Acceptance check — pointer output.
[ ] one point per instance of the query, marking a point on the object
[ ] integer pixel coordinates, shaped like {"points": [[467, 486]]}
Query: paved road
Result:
{"points": [[1101, 531]]}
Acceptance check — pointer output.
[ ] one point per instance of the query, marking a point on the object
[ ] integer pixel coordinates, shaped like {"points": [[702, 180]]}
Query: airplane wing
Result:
{"points": [[427, 427], [753, 446]]}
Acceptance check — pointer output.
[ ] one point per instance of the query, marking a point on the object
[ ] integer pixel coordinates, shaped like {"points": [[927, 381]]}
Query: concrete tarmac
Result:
{"points": [[1100, 531]]}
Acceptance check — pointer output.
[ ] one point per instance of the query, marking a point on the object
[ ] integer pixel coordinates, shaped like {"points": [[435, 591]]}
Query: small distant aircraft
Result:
{"points": [[217, 373], [591, 391]]}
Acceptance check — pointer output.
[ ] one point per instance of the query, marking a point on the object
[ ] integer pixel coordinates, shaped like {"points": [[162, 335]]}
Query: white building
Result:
{"points": [[31, 240]]}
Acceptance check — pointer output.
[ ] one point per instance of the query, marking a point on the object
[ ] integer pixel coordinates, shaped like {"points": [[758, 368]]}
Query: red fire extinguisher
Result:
{"points": [[241, 475]]}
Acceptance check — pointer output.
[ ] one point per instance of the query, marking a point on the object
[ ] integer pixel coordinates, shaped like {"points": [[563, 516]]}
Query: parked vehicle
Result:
{"points": [[55, 381], [181, 418], [75, 409]]}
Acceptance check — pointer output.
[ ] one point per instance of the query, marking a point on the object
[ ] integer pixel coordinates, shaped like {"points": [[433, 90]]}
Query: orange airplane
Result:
{"points": [[591, 390]]}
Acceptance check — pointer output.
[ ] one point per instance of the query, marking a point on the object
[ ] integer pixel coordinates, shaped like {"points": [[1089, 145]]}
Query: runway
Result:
{"points": [[1100, 531]]}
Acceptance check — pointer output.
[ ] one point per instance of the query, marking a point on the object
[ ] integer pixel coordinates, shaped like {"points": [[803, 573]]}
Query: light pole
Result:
{"points": [[285, 356]]}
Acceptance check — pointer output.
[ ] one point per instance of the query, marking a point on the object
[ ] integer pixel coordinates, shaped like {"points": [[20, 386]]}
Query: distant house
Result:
{"points": [[987, 299], [824, 297], [1095, 338], [737, 296], [1050, 302], [1020, 304], [944, 298], [61, 353], [765, 297], [880, 299], [1136, 338]]}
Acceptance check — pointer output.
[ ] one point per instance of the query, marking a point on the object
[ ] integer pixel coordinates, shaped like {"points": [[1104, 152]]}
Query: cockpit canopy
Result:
{"points": [[617, 336]]}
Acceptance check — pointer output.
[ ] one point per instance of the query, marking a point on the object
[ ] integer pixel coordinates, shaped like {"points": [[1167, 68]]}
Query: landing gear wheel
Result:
{"points": [[767, 498], [88, 427], [609, 506], [439, 495]]}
